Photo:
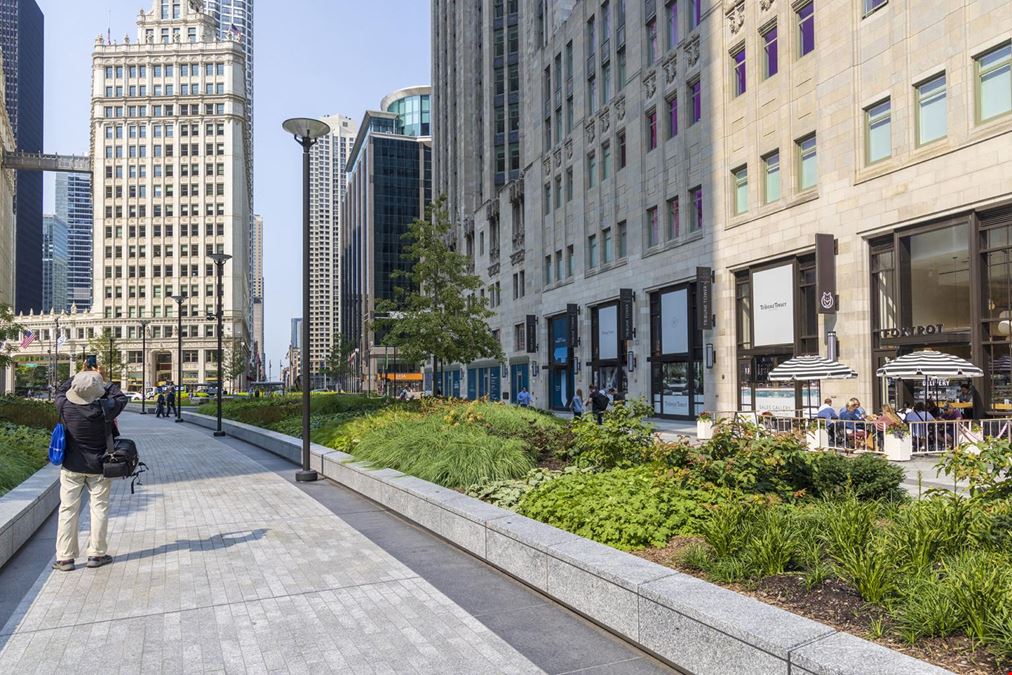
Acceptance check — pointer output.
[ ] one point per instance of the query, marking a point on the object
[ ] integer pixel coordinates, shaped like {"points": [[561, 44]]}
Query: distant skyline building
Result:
{"points": [[54, 262], [296, 341], [74, 207], [7, 227], [22, 40], [389, 186], [257, 294], [328, 185]]}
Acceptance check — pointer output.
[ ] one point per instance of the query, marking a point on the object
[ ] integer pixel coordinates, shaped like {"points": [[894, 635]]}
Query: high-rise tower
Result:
{"points": [[74, 207]]}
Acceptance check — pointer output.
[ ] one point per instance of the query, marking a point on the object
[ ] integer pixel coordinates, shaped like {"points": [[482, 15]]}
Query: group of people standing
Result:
{"points": [[598, 402], [165, 404]]}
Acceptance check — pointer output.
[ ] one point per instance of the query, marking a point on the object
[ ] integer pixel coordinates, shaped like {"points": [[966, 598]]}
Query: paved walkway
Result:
{"points": [[223, 564]]}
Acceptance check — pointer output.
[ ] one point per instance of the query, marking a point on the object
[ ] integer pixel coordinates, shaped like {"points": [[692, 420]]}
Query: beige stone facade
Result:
{"points": [[170, 166], [615, 146]]}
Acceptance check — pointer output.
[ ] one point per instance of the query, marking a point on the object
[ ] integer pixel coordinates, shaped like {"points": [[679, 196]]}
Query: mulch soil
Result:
{"points": [[837, 604]]}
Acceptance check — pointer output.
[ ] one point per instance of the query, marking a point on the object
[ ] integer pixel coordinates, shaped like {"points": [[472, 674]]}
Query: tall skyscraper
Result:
{"points": [[54, 263], [258, 297], [22, 40], [389, 186], [328, 185], [8, 245], [74, 207]]}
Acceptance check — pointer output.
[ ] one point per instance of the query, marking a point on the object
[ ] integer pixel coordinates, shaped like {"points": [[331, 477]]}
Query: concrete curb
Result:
{"points": [[25, 508], [694, 625]]}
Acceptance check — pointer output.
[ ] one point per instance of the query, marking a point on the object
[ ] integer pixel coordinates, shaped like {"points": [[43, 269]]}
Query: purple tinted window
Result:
{"points": [[697, 207], [696, 99], [673, 117], [806, 29], [672, 11], [739, 73], [651, 130], [770, 50], [696, 9]]}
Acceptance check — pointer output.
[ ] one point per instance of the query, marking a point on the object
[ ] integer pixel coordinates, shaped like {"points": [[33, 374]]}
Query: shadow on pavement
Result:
{"points": [[214, 542]]}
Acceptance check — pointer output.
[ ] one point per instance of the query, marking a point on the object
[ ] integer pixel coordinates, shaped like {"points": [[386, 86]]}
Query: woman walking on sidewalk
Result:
{"points": [[87, 408]]}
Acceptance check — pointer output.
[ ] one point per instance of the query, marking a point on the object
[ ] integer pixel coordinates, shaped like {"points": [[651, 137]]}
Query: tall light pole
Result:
{"points": [[54, 359], [306, 132], [219, 261], [179, 355], [144, 364]]}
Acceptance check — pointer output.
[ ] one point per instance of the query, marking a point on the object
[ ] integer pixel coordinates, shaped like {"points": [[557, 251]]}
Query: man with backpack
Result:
{"points": [[598, 404], [170, 402], [87, 407]]}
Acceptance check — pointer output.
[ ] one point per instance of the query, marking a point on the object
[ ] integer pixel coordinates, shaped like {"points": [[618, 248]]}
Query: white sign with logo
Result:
{"points": [[773, 306], [607, 332], [675, 322]]}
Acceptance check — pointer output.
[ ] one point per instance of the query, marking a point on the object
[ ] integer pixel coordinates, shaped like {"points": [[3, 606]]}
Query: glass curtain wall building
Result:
{"points": [[74, 207], [54, 263]]}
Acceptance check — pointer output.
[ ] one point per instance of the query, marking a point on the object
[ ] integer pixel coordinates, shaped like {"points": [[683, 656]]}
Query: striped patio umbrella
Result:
{"points": [[929, 363], [810, 369]]}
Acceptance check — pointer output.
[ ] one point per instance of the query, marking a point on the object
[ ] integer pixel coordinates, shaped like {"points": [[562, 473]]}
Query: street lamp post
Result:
{"points": [[306, 132], [179, 355], [144, 363], [219, 261], [54, 359]]}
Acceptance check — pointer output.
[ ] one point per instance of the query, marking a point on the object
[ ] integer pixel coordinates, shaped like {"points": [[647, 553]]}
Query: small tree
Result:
{"points": [[109, 355], [9, 331], [337, 366], [235, 362], [436, 311]]}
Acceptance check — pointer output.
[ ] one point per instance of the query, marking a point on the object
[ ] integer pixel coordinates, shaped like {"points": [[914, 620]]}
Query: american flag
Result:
{"points": [[28, 339]]}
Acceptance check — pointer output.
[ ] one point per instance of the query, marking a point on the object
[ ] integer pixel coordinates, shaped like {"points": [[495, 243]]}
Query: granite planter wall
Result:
{"points": [[694, 625], [25, 508]]}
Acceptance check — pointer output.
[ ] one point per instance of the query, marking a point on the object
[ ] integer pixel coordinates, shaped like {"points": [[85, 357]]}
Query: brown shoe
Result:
{"points": [[64, 565], [99, 561]]}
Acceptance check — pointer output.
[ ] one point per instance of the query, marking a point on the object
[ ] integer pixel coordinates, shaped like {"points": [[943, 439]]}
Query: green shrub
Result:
{"points": [[23, 451], [867, 477], [346, 435], [929, 529], [27, 412], [507, 494], [624, 439], [455, 456], [545, 435], [985, 466], [625, 508], [269, 410]]}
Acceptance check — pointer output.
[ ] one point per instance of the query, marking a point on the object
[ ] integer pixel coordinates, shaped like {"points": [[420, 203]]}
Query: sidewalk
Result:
{"points": [[223, 564]]}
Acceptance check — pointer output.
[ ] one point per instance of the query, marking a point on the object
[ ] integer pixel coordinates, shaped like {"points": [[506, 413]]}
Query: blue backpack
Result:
{"points": [[57, 444]]}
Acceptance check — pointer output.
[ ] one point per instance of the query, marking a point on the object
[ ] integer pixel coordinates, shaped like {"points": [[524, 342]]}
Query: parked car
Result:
{"points": [[133, 395]]}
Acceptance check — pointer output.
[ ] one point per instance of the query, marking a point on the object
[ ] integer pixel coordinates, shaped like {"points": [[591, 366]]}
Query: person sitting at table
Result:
{"points": [[852, 414], [932, 407], [950, 413], [917, 430], [826, 411]]}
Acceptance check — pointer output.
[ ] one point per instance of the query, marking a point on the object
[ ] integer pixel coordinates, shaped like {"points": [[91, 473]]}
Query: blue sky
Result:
{"points": [[312, 58]]}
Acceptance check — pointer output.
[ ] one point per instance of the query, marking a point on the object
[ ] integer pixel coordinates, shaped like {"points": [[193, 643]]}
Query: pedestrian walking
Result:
{"points": [[576, 405], [160, 407], [524, 398], [170, 402], [87, 407], [598, 404]]}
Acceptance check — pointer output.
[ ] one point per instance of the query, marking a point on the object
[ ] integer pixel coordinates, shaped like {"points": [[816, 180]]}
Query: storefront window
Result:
{"points": [[559, 377], [605, 348], [676, 353], [939, 280]]}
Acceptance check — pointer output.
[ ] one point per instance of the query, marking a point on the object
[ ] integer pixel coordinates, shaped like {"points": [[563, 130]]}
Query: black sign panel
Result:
{"points": [[704, 298], [625, 314], [532, 333], [573, 323], [825, 273]]}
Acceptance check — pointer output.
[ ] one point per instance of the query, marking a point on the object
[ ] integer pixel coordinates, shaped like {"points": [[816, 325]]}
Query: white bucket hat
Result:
{"points": [[86, 388]]}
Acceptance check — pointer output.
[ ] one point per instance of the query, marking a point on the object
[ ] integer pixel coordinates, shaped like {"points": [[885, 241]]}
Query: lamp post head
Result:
{"points": [[219, 258], [178, 298], [305, 129]]}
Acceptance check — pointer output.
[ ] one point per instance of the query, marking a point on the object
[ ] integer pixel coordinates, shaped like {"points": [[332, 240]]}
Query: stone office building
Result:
{"points": [[681, 158], [169, 165]]}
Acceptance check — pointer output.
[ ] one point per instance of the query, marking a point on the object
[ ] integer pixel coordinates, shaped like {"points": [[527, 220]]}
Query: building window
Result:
{"points": [[569, 184], [932, 122], [653, 228], [672, 116], [695, 102], [548, 198], [591, 94], [878, 132], [606, 252], [651, 130], [622, 244], [770, 62], [520, 337], [740, 176], [558, 192], [605, 160], [591, 169], [621, 149], [558, 265], [994, 83], [696, 214], [652, 40], [771, 186], [569, 262], [548, 270], [806, 28], [808, 173], [671, 15], [872, 5], [673, 226], [592, 251], [695, 13], [738, 81]]}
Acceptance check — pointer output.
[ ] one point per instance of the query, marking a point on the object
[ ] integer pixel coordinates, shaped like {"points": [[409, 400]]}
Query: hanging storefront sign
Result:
{"points": [[773, 306], [825, 273], [532, 333], [607, 332], [704, 298], [675, 322], [626, 327], [573, 317]]}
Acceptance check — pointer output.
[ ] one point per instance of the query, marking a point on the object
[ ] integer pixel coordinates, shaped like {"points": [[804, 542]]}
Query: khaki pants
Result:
{"points": [[72, 485]]}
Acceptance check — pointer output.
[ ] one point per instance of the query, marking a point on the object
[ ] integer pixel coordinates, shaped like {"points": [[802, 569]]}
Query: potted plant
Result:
{"points": [[704, 426], [898, 444]]}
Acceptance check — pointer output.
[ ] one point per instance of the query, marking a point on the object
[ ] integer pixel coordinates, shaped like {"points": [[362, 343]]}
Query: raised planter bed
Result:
{"points": [[694, 625], [25, 508]]}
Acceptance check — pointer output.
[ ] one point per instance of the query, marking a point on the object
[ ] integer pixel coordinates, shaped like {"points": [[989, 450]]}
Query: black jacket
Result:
{"points": [[599, 402], [85, 427]]}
